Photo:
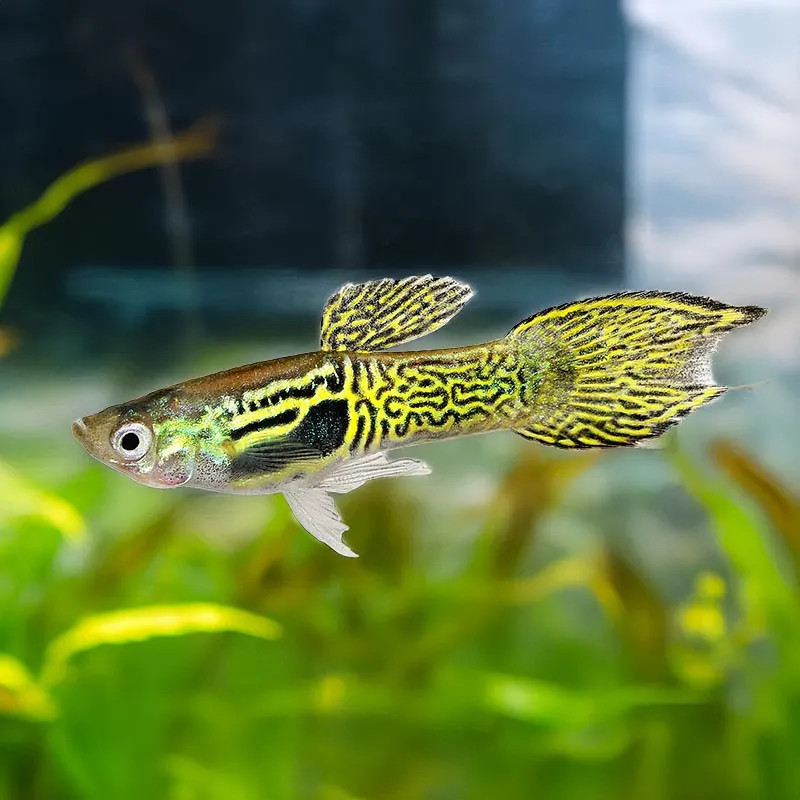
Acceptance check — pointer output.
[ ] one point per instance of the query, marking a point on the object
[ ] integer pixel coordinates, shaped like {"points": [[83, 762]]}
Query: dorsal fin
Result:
{"points": [[380, 314]]}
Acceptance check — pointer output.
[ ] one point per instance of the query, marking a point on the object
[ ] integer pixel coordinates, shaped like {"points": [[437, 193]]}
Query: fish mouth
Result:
{"points": [[79, 429]]}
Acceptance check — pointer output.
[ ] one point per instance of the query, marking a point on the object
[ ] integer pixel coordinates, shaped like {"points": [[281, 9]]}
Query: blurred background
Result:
{"points": [[183, 185]]}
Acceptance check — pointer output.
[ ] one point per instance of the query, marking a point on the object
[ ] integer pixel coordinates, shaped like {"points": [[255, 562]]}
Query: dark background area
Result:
{"points": [[388, 135]]}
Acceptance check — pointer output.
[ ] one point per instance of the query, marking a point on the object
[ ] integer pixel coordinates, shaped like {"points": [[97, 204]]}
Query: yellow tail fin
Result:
{"points": [[614, 371]]}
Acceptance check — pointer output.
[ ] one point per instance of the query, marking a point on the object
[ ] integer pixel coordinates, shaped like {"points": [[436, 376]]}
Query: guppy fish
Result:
{"points": [[604, 372]]}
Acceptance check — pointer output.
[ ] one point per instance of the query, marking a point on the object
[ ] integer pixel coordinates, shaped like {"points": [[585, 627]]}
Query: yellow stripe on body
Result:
{"points": [[277, 399], [413, 397]]}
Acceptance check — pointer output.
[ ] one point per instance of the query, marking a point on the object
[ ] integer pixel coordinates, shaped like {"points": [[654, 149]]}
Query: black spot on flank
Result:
{"points": [[324, 426]]}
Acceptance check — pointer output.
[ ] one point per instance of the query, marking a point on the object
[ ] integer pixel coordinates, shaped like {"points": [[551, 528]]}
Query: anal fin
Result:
{"points": [[315, 510]]}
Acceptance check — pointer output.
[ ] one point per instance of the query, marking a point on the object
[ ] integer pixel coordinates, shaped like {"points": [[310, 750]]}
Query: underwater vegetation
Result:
{"points": [[160, 645], [506, 643]]}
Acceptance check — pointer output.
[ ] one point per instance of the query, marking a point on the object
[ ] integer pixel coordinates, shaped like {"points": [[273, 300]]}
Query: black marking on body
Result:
{"points": [[438, 399], [284, 418], [295, 393], [324, 427], [334, 383], [429, 395], [427, 420], [360, 422], [373, 418]]}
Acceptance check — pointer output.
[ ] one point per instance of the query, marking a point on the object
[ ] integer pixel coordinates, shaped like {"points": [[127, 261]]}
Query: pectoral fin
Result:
{"points": [[381, 314], [352, 474], [317, 513], [268, 457]]}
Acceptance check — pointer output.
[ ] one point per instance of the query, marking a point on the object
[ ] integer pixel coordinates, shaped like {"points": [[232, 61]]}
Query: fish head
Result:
{"points": [[141, 440]]}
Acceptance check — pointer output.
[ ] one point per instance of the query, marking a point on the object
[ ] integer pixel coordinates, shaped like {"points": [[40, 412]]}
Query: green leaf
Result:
{"points": [[20, 694], [141, 624], [554, 705], [743, 536], [21, 498], [194, 143]]}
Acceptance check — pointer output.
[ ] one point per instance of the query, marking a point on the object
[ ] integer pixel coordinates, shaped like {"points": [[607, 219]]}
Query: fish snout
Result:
{"points": [[79, 429], [83, 433]]}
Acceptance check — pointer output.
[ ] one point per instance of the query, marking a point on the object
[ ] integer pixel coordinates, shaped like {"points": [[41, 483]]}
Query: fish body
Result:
{"points": [[238, 431], [604, 372]]}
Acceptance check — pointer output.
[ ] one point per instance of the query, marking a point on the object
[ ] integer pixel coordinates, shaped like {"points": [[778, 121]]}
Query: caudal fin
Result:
{"points": [[619, 370]]}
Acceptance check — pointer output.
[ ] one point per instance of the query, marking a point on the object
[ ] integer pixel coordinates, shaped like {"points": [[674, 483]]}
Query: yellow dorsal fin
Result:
{"points": [[380, 314]]}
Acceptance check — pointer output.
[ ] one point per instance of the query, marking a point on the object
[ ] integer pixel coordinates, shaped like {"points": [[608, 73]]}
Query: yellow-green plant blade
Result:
{"points": [[194, 143], [140, 624], [11, 238], [531, 489], [532, 700], [552, 704], [20, 694], [20, 498], [642, 620], [779, 503], [745, 540]]}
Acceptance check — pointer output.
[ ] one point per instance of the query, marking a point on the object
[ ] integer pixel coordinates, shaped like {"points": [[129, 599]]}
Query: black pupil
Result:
{"points": [[129, 441]]}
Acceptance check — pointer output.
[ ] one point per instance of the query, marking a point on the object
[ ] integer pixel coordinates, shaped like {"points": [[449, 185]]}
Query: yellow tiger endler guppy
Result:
{"points": [[604, 372]]}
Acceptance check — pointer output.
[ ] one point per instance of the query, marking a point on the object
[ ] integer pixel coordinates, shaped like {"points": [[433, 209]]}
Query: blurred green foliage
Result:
{"points": [[251, 662], [503, 674]]}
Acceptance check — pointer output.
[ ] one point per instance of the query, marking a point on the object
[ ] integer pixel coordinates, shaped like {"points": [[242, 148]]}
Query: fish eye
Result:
{"points": [[132, 441]]}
